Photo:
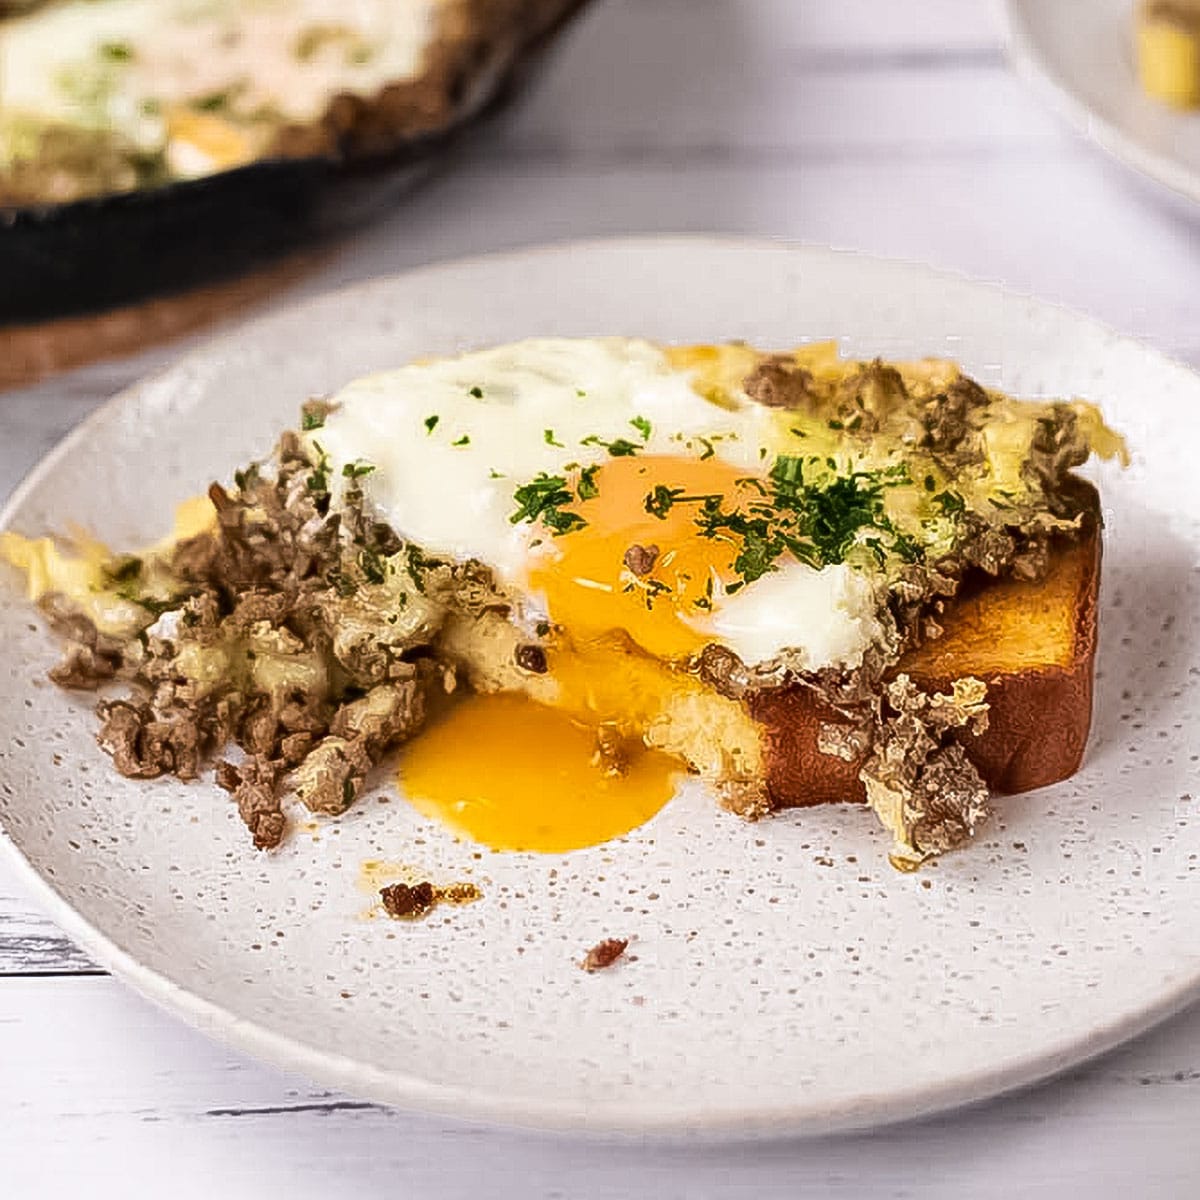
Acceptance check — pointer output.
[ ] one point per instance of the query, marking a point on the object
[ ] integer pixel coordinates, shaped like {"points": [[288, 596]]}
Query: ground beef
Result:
{"points": [[332, 775], [532, 659], [949, 421], [603, 954], [83, 667], [254, 788], [144, 744], [641, 559], [89, 658], [281, 641], [409, 902], [405, 902], [780, 383]]}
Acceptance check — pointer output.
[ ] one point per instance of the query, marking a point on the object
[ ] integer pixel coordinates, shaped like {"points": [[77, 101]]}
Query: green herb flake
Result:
{"points": [[247, 478], [548, 435], [620, 448], [588, 488], [542, 499], [950, 503], [462, 441], [371, 566], [357, 469], [214, 101], [431, 423], [117, 52], [476, 392], [642, 426], [124, 570]]}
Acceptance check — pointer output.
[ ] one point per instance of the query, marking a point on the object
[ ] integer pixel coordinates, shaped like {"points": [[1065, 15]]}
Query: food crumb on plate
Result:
{"points": [[603, 954]]}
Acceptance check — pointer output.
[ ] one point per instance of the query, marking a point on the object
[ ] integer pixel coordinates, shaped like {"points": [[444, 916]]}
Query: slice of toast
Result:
{"points": [[1032, 643]]}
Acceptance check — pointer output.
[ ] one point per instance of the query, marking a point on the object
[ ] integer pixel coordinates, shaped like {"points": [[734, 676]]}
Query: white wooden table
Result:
{"points": [[893, 126]]}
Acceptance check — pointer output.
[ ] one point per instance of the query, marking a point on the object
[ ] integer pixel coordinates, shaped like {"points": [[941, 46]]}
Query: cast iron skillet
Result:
{"points": [[108, 250]]}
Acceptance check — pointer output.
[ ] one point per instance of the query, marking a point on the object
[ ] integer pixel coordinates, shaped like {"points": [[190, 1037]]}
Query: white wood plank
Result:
{"points": [[32, 945], [644, 78], [884, 26], [100, 1091]]}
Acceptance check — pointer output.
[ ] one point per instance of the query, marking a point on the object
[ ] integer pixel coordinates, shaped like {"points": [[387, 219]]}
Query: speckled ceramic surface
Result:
{"points": [[1081, 57], [781, 976]]}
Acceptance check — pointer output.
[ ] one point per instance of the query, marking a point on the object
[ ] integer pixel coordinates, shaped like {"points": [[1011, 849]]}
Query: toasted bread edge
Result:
{"points": [[1039, 716]]}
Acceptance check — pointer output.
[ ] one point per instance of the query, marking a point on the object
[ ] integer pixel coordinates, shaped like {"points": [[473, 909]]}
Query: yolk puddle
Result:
{"points": [[516, 775]]}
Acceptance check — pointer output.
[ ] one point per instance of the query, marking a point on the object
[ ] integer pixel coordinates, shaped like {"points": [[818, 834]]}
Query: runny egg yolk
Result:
{"points": [[515, 775], [652, 577]]}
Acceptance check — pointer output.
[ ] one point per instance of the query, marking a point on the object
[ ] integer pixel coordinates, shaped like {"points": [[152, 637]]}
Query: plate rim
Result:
{"points": [[416, 1094], [1029, 59]]}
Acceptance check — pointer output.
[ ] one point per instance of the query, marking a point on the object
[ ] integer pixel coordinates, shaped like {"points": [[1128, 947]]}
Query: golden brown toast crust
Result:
{"points": [[1032, 643]]}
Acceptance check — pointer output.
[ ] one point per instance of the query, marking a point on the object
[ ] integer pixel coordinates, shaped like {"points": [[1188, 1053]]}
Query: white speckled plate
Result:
{"points": [[781, 977], [1080, 55]]}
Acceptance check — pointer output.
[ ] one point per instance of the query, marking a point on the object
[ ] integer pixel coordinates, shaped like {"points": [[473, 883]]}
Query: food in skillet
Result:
{"points": [[108, 96]]}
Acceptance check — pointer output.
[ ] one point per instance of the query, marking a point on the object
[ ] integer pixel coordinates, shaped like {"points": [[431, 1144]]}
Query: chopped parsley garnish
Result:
{"points": [[214, 101], [619, 448], [318, 477], [662, 499], [588, 488], [477, 392], [125, 570], [311, 419], [819, 522], [462, 441], [950, 503], [642, 426], [580, 393], [116, 52], [357, 469], [371, 565], [431, 423], [418, 563], [551, 440], [542, 499], [494, 474]]}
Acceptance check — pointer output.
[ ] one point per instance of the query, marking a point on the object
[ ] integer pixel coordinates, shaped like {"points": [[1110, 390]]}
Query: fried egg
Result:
{"points": [[574, 470], [449, 449]]}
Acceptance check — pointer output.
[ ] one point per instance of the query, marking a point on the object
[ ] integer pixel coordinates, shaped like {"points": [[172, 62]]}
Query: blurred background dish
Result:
{"points": [[1084, 58], [148, 145]]}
